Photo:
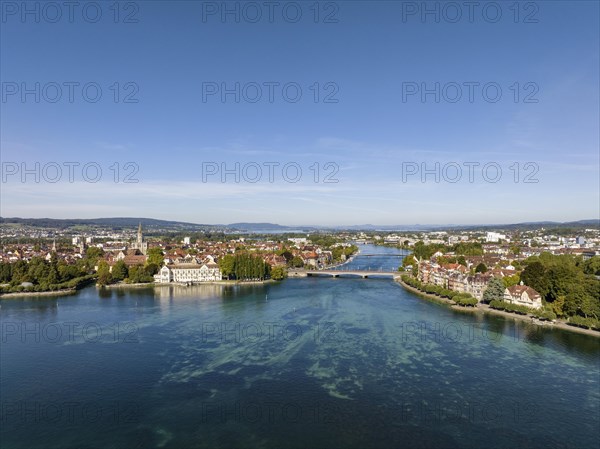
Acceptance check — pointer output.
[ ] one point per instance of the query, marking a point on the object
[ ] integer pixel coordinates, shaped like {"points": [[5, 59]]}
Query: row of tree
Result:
{"points": [[244, 266]]}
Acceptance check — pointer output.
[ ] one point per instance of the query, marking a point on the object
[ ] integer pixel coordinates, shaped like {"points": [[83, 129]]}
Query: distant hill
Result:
{"points": [[151, 223], [114, 222], [580, 224], [272, 227], [390, 228]]}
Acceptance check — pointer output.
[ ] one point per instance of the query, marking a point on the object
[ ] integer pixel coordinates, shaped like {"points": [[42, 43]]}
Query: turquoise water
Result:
{"points": [[313, 362]]}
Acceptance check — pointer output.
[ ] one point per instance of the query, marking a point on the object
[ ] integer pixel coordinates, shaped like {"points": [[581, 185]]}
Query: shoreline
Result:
{"points": [[180, 284], [484, 308], [66, 292], [435, 298]]}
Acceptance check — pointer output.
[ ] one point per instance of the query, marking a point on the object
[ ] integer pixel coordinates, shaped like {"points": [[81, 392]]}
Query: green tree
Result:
{"points": [[19, 272], [120, 271], [558, 306], [151, 269], [278, 273], [409, 261], [297, 262], [227, 265], [534, 275], [68, 272], [155, 256], [53, 274], [104, 275], [511, 280], [494, 291], [138, 274], [5, 272], [92, 254], [480, 268], [564, 278], [287, 255], [468, 248], [592, 266], [38, 270], [590, 306]]}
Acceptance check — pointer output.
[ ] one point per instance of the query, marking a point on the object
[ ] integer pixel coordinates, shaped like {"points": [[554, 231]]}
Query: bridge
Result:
{"points": [[353, 273], [379, 255]]}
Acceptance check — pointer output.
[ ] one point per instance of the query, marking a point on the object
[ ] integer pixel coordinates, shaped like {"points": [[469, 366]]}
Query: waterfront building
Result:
{"points": [[523, 295], [184, 273]]}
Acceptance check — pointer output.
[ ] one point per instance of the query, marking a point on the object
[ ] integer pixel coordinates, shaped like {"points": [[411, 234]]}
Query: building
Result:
{"points": [[523, 295], [477, 284], [131, 257], [189, 273], [494, 237], [454, 277], [298, 241]]}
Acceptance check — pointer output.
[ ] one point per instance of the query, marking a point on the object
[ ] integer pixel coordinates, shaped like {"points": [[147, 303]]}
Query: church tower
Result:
{"points": [[140, 245], [140, 238]]}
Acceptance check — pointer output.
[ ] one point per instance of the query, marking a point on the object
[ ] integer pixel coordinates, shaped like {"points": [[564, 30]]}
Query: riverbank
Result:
{"points": [[183, 284], [125, 285], [484, 308], [66, 292], [428, 295]]}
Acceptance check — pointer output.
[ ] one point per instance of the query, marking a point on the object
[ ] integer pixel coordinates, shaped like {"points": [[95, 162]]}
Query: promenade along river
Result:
{"points": [[313, 362]]}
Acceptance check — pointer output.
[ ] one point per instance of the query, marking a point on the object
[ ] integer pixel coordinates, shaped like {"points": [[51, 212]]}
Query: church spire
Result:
{"points": [[139, 234]]}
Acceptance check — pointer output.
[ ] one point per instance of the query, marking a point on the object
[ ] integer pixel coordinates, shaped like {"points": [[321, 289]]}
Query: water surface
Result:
{"points": [[314, 362]]}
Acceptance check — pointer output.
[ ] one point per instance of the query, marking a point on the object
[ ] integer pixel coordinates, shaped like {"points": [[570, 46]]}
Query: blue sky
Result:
{"points": [[372, 53]]}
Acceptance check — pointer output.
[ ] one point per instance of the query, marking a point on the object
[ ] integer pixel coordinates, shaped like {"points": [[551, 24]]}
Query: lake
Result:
{"points": [[312, 362]]}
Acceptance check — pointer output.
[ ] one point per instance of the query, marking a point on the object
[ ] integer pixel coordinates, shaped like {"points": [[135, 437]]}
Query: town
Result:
{"points": [[552, 273]]}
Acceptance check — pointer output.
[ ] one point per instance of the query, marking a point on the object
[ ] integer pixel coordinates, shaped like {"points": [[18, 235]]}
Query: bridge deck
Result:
{"points": [[361, 273]]}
